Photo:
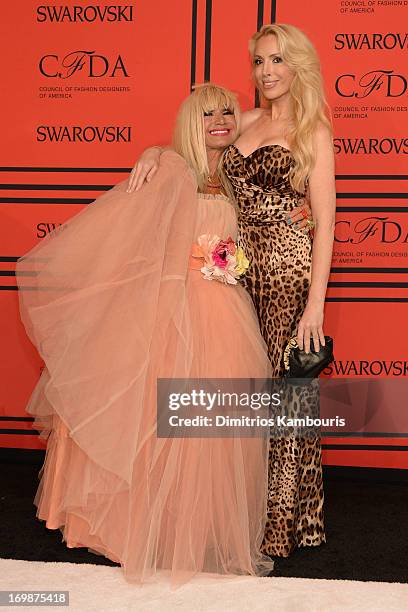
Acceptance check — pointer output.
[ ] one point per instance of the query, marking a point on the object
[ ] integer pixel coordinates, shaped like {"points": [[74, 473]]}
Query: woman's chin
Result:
{"points": [[221, 142]]}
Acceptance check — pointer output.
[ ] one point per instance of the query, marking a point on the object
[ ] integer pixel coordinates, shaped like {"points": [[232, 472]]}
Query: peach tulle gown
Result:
{"points": [[116, 303]]}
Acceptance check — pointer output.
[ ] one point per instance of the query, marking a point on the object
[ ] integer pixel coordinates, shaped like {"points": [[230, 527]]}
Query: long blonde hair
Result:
{"points": [[308, 99], [189, 133]]}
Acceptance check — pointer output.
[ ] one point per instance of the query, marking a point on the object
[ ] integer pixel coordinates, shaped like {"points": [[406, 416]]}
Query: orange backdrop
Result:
{"points": [[88, 86]]}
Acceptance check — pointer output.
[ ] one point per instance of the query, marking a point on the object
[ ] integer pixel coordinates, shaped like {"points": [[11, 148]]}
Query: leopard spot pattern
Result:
{"points": [[278, 281]]}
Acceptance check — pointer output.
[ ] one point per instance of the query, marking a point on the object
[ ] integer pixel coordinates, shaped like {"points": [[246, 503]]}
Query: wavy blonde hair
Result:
{"points": [[189, 133], [307, 94]]}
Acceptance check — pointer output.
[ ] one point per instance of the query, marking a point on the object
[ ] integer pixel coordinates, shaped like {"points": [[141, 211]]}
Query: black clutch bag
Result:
{"points": [[299, 364]]}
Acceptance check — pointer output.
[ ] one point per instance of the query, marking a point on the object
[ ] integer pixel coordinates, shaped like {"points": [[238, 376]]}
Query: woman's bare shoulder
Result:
{"points": [[322, 134]]}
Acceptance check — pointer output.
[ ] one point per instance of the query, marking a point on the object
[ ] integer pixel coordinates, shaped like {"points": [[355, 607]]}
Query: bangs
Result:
{"points": [[210, 98]]}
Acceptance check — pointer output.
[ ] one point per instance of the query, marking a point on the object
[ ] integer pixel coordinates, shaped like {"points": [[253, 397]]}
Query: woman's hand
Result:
{"points": [[144, 169], [301, 217], [311, 326]]}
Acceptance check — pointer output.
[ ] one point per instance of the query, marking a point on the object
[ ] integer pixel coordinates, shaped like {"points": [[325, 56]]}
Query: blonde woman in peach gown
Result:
{"points": [[117, 302]]}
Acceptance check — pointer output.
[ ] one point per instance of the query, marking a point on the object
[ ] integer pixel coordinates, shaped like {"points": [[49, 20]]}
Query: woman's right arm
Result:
{"points": [[145, 168]]}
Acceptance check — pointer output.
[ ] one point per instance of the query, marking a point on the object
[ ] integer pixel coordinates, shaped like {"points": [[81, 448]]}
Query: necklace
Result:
{"points": [[212, 182]]}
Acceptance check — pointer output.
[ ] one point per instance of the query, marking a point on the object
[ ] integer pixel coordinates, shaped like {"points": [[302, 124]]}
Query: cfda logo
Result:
{"points": [[378, 229], [89, 63], [391, 85]]}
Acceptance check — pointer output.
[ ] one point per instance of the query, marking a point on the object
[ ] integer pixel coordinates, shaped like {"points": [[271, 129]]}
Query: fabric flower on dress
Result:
{"points": [[224, 261]]}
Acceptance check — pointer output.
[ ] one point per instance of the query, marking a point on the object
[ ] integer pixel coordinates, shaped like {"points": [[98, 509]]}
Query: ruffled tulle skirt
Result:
{"points": [[192, 505]]}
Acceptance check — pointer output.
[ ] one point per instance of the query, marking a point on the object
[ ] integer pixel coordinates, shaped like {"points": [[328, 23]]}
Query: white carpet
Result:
{"points": [[102, 588]]}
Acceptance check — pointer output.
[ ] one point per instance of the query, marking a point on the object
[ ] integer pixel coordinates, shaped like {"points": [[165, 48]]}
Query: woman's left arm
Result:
{"points": [[323, 203]]}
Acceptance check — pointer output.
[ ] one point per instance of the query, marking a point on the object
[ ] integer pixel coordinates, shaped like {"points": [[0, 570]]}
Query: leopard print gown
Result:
{"points": [[278, 281]]}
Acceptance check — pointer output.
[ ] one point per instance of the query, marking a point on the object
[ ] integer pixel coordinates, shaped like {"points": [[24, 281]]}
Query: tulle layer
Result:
{"points": [[113, 307]]}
